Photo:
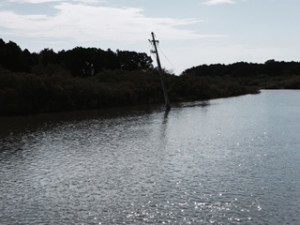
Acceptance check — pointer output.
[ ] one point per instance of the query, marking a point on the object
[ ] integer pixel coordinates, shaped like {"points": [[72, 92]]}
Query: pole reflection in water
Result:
{"points": [[234, 161]]}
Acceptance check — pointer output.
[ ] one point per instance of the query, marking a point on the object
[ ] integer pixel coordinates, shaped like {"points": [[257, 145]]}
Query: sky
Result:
{"points": [[191, 32]]}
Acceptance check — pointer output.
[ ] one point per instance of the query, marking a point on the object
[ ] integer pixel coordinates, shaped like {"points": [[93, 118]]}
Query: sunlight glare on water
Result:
{"points": [[235, 161]]}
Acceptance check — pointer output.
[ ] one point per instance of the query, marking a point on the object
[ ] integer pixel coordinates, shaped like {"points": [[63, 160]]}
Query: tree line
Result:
{"points": [[244, 69], [269, 75], [78, 61], [92, 78]]}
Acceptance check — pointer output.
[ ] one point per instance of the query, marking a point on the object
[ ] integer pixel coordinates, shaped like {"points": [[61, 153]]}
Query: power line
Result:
{"points": [[165, 56]]}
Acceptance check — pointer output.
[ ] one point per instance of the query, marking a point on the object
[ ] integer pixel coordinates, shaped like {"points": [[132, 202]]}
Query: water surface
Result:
{"points": [[235, 161]]}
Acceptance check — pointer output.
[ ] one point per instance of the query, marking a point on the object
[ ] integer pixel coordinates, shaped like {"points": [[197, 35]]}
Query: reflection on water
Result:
{"points": [[235, 161]]}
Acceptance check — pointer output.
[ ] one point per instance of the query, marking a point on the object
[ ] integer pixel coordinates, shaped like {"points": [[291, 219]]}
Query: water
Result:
{"points": [[235, 161]]}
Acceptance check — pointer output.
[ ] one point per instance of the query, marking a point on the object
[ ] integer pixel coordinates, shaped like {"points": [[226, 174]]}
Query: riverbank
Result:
{"points": [[92, 79], [26, 93]]}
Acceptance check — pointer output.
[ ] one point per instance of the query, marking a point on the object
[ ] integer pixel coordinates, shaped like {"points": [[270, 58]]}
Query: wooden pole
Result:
{"points": [[161, 73]]}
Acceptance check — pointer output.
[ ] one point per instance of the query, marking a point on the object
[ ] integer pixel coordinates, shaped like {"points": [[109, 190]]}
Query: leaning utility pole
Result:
{"points": [[161, 73]]}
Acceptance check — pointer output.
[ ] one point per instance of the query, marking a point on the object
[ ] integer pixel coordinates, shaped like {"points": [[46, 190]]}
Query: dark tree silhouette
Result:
{"points": [[92, 78]]}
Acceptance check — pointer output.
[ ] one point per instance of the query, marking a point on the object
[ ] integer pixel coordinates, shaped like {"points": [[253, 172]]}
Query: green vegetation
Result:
{"points": [[90, 78], [25, 93], [270, 75]]}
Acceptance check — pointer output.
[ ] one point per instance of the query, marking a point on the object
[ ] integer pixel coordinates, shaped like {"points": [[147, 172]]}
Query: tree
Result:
{"points": [[134, 61]]}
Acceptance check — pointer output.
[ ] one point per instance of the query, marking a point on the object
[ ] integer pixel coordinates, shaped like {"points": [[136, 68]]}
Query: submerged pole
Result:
{"points": [[161, 73]]}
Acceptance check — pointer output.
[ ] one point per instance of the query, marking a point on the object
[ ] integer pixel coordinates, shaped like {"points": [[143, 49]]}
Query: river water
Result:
{"points": [[234, 161]]}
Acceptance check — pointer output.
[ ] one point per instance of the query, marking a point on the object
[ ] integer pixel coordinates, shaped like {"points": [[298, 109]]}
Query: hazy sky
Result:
{"points": [[191, 32]]}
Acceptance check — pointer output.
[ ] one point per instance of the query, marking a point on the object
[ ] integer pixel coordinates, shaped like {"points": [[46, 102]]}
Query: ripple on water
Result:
{"points": [[227, 164]]}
